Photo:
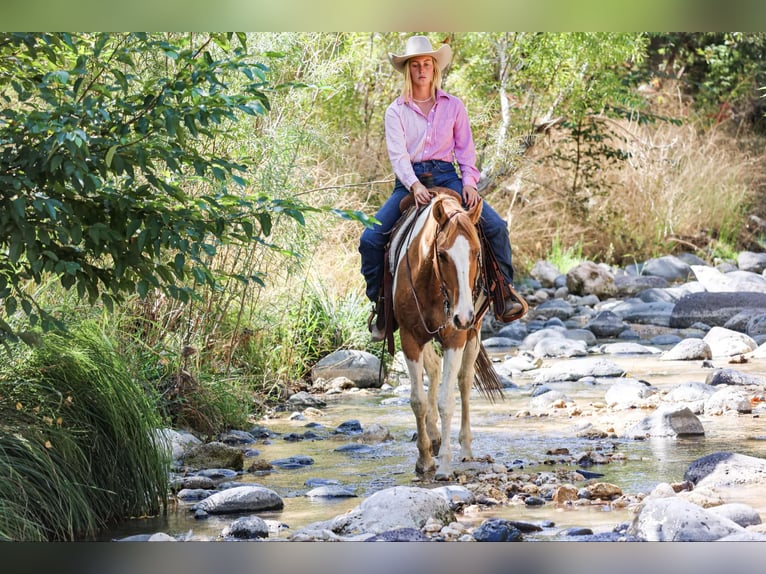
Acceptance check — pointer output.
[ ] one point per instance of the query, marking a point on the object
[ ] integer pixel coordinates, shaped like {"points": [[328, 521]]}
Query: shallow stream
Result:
{"points": [[516, 441]]}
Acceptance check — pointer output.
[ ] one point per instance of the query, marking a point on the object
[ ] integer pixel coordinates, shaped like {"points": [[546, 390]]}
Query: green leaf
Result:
{"points": [[110, 154]]}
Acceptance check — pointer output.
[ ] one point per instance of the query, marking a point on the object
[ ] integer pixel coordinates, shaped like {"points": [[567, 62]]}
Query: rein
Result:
{"points": [[439, 275]]}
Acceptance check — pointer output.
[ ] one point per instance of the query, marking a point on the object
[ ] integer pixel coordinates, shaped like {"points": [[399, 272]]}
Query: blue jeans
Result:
{"points": [[372, 244]]}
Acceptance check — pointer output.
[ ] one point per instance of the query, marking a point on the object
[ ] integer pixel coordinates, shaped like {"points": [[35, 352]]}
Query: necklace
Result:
{"points": [[423, 101]]}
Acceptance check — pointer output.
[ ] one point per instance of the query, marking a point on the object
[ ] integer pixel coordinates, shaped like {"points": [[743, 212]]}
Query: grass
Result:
{"points": [[78, 442]]}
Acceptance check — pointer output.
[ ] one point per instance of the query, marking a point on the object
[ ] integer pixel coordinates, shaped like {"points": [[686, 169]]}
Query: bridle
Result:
{"points": [[478, 286]]}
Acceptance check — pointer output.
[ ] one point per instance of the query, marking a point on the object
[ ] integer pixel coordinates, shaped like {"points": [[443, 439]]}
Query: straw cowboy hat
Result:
{"points": [[421, 46]]}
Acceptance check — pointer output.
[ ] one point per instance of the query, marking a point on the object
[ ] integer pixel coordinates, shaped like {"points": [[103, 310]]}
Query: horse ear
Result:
{"points": [[437, 209], [475, 212]]}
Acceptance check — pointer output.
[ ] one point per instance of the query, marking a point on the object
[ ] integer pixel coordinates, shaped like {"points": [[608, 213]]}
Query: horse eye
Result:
{"points": [[441, 255]]}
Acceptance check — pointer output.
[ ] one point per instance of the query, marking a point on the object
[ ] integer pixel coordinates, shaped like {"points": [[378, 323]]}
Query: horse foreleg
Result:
{"points": [[433, 366], [425, 463], [465, 383], [446, 400]]}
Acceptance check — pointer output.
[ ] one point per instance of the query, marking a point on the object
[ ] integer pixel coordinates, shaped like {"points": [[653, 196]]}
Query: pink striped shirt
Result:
{"points": [[444, 134]]}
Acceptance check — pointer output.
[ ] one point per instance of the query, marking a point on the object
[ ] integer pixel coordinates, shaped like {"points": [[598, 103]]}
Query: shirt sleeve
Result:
{"points": [[465, 151], [396, 144]]}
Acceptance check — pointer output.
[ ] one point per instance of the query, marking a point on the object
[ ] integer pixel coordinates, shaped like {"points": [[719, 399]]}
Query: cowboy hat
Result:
{"points": [[421, 46]]}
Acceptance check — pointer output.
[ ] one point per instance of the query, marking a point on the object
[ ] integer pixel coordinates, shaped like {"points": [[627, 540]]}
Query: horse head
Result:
{"points": [[457, 258]]}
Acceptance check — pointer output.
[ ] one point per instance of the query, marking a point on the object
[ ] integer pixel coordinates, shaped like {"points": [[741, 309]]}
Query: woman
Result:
{"points": [[427, 130]]}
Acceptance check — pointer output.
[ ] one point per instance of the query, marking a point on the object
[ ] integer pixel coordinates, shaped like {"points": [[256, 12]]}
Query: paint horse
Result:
{"points": [[435, 256]]}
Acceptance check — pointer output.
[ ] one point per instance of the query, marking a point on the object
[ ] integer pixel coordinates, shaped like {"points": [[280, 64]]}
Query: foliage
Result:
{"points": [[79, 447], [114, 169]]}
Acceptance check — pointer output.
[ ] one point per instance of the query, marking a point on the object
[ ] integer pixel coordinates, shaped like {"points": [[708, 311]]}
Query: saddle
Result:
{"points": [[495, 285]]}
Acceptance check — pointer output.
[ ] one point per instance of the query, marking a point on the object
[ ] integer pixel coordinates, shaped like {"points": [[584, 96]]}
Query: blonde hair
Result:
{"points": [[436, 84]]}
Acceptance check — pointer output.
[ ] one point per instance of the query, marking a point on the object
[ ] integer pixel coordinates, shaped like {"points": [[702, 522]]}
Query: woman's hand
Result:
{"points": [[421, 193], [470, 196]]}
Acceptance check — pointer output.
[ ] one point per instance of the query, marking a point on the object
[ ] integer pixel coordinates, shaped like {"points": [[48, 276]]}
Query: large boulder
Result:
{"points": [[389, 509], [713, 309], [361, 367], [667, 421], [722, 469], [214, 455], [676, 520]]}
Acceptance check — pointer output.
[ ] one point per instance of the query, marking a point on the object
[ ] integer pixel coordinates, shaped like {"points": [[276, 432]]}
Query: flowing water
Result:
{"points": [[520, 442]]}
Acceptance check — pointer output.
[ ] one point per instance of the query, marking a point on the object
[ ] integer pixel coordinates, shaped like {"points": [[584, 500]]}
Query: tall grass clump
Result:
{"points": [[79, 447]]}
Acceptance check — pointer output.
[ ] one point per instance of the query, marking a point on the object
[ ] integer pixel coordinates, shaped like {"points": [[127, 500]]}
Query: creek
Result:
{"points": [[517, 441]]}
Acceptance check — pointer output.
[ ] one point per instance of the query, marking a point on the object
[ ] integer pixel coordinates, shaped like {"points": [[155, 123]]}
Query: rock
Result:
{"points": [[713, 309], [547, 401], [630, 285], [376, 433], [637, 311], [564, 493], [575, 369], [389, 509], [627, 393], [554, 308], [560, 347], [627, 349], [246, 528], [734, 377], [302, 400], [177, 442], [722, 469], [734, 281], [750, 261], [589, 278], [691, 395], [293, 462], [688, 350], [545, 272], [726, 343], [671, 268], [667, 421], [727, 399], [606, 325], [399, 535], [603, 490], [497, 530], [214, 455], [359, 366], [236, 437], [742, 514], [241, 499], [330, 491], [756, 325], [676, 520]]}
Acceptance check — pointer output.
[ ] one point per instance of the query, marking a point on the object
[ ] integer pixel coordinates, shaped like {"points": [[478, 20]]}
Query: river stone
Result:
{"points": [[359, 366], [330, 491], [606, 325], [214, 455], [722, 469], [631, 285], [389, 509], [667, 421], [734, 377], [546, 333], [575, 369], [727, 343], [742, 514], [628, 393], [497, 530], [734, 281], [627, 349], [549, 400], [637, 311], [756, 325], [246, 528], [728, 399], [559, 347], [713, 309], [545, 272], [554, 308], [589, 278], [750, 261], [670, 267], [688, 350], [399, 535], [241, 499], [676, 520], [177, 442], [691, 395]]}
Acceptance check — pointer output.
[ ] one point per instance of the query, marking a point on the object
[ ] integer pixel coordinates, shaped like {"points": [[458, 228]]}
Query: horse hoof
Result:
{"points": [[422, 469]]}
